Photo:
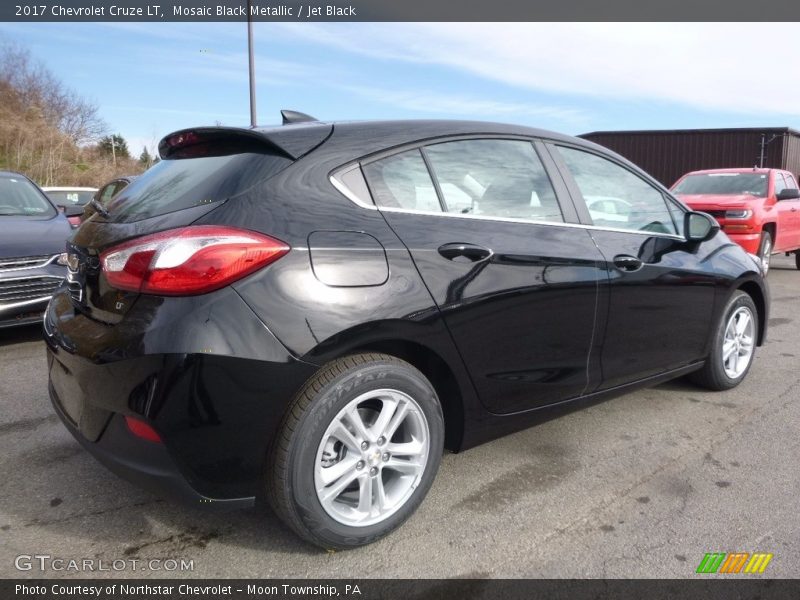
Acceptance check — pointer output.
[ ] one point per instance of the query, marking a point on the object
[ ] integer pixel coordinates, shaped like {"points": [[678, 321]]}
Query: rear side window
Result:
{"points": [[402, 181], [179, 183], [20, 198]]}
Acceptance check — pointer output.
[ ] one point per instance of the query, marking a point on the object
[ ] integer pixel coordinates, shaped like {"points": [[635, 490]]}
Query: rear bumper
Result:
{"points": [[189, 368], [145, 464]]}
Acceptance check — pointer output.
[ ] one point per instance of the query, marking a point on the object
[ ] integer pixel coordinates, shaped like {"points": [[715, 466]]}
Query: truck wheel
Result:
{"points": [[797, 259], [765, 251], [733, 347], [357, 451]]}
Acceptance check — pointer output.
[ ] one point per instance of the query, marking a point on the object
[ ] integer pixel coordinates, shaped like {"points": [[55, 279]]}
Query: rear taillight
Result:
{"points": [[74, 221], [188, 261]]}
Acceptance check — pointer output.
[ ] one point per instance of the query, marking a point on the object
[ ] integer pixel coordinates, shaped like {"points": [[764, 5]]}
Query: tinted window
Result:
{"points": [[181, 183], [494, 178], [780, 184], [637, 204], [19, 198], [67, 198], [754, 184], [402, 181]]}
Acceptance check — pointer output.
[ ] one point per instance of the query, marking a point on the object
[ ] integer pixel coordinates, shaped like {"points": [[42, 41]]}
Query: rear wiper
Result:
{"points": [[99, 207]]}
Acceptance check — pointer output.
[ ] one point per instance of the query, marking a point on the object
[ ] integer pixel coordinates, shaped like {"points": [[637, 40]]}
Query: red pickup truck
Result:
{"points": [[758, 208]]}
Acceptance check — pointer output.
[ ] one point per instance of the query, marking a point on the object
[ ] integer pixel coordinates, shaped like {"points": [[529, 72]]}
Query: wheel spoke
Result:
{"points": [[343, 434], [344, 467], [727, 350], [381, 503], [742, 322], [746, 342], [329, 494], [403, 466], [365, 495], [388, 410], [354, 417], [413, 448], [399, 416], [735, 360]]}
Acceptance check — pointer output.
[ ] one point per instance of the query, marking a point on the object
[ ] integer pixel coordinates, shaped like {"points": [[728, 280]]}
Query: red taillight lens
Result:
{"points": [[142, 430], [74, 221], [188, 261]]}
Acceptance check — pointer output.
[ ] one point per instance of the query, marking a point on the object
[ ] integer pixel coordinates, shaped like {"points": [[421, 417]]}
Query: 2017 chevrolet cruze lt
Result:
{"points": [[312, 312]]}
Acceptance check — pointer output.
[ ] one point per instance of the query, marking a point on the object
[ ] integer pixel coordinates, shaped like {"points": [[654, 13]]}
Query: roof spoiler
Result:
{"points": [[288, 142]]}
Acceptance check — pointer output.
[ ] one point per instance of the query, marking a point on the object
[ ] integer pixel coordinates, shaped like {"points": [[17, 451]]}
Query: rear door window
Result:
{"points": [[179, 183], [494, 178]]}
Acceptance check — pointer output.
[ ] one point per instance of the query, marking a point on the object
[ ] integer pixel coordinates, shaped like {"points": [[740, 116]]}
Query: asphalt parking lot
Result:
{"points": [[640, 486]]}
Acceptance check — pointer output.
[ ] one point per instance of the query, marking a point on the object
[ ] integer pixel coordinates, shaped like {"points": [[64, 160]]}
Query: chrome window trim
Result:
{"points": [[355, 200]]}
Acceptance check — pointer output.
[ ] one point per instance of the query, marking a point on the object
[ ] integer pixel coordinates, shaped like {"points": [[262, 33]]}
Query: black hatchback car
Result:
{"points": [[311, 312]]}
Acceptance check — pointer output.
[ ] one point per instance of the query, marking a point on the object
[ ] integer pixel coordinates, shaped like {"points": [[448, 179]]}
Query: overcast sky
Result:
{"points": [[150, 79]]}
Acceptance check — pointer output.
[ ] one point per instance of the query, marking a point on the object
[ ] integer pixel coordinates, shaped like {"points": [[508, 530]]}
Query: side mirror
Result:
{"points": [[699, 227], [789, 194]]}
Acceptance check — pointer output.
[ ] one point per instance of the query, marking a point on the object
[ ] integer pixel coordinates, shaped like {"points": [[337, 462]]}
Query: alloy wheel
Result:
{"points": [[737, 345], [371, 457]]}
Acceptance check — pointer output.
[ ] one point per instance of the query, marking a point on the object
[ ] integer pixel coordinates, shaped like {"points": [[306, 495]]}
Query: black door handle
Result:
{"points": [[627, 263], [464, 252]]}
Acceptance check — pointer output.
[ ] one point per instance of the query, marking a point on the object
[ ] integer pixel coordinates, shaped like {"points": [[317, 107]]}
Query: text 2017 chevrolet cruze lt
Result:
{"points": [[312, 312]]}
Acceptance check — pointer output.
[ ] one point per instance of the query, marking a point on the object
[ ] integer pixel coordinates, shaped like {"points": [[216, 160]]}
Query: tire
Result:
{"points": [[716, 374], [765, 250], [320, 432], [797, 259]]}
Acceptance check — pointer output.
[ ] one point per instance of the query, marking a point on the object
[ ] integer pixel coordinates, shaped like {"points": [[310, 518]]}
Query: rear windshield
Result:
{"points": [[67, 198], [179, 183], [20, 198], [754, 184]]}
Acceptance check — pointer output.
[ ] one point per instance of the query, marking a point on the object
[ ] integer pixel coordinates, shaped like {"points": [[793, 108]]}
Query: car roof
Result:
{"points": [[298, 139], [374, 136]]}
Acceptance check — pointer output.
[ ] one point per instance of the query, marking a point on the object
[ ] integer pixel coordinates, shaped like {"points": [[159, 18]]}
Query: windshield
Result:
{"points": [[70, 198], [180, 183], [20, 198], [727, 184]]}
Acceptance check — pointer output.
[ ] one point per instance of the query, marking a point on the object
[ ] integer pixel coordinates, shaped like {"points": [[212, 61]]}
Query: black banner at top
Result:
{"points": [[399, 10]]}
